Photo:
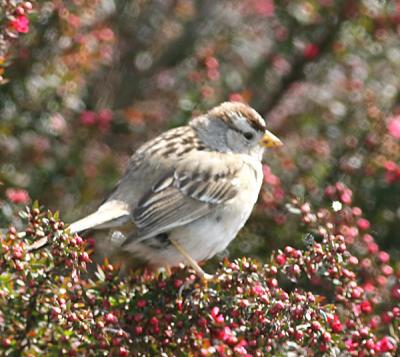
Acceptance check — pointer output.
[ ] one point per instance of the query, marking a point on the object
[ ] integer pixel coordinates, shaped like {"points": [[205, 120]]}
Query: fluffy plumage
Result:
{"points": [[194, 186]]}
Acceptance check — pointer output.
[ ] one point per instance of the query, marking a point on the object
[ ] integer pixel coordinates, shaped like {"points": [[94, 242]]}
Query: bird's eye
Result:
{"points": [[248, 135]]}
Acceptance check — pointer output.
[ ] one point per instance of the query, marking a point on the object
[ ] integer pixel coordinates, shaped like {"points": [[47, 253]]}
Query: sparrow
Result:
{"points": [[187, 193]]}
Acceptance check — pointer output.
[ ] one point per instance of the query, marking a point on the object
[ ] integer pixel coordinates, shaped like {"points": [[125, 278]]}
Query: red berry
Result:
{"points": [[123, 352], [85, 257], [272, 283], [335, 324], [298, 335], [116, 341], [20, 10], [17, 252], [369, 344], [280, 259], [215, 311], [138, 330], [28, 5], [311, 51], [323, 347], [178, 283], [6, 342], [154, 321], [366, 307], [386, 344], [396, 292], [396, 311], [363, 224], [387, 317], [288, 250], [326, 336], [279, 306], [384, 257], [357, 292], [141, 303], [110, 318], [316, 326], [353, 260]]}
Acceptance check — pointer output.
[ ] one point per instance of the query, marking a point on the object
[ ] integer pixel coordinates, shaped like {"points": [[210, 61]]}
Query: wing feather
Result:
{"points": [[185, 194]]}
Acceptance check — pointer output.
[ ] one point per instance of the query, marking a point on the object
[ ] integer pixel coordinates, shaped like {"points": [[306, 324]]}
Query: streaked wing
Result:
{"points": [[188, 193], [165, 210]]}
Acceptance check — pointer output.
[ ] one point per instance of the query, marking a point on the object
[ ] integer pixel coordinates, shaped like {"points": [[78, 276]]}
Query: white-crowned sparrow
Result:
{"points": [[190, 190]]}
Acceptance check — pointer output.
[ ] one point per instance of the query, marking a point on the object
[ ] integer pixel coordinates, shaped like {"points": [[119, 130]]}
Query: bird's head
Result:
{"points": [[235, 127]]}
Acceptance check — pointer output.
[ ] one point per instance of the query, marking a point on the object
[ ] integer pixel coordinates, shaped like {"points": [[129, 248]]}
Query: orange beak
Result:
{"points": [[270, 140]]}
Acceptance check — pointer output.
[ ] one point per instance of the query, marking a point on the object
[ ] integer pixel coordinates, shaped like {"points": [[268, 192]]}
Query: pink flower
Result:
{"points": [[368, 287], [392, 172], [258, 290], [390, 166], [345, 197], [105, 34], [330, 191], [373, 247], [353, 260], [241, 351], [394, 127], [88, 118], [224, 333], [363, 224], [20, 24], [270, 178], [17, 196], [386, 344], [74, 20], [211, 62], [236, 97], [104, 118], [264, 7], [350, 345], [384, 257], [335, 324]]}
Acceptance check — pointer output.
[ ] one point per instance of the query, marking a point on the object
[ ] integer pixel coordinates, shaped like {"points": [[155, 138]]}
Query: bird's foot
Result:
{"points": [[199, 271], [205, 276]]}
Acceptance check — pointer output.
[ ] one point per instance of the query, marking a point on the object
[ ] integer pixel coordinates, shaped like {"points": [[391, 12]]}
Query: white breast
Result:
{"points": [[213, 233], [204, 238]]}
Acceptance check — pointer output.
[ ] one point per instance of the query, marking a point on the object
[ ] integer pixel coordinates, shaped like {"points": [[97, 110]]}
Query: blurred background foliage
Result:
{"points": [[93, 79]]}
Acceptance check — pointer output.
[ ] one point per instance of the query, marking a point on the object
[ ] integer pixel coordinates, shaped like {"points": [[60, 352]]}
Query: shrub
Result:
{"points": [[83, 84], [338, 292]]}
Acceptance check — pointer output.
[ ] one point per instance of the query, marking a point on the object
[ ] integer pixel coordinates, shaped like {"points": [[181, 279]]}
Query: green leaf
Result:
{"points": [[35, 204], [23, 214], [100, 273]]}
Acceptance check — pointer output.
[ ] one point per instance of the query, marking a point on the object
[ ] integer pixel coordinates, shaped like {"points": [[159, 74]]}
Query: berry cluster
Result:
{"points": [[14, 21], [337, 292]]}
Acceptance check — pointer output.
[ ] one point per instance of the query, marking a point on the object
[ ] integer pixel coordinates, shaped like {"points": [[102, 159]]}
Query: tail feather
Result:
{"points": [[107, 216]]}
